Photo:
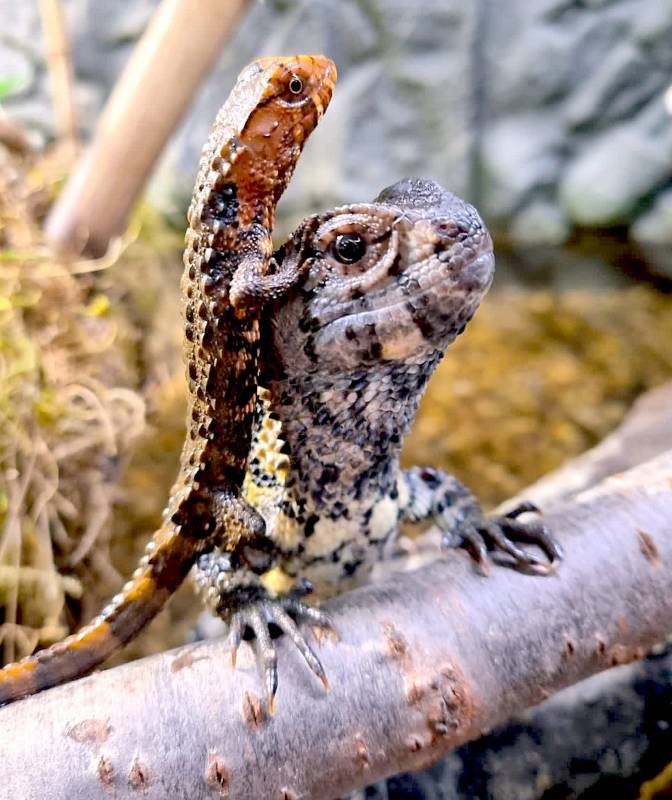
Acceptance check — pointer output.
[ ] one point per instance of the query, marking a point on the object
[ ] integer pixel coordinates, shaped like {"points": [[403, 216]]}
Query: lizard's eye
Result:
{"points": [[295, 84], [348, 248]]}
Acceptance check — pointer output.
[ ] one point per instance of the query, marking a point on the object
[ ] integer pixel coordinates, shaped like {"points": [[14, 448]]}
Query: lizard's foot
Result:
{"points": [[258, 614], [437, 496], [236, 594], [479, 534]]}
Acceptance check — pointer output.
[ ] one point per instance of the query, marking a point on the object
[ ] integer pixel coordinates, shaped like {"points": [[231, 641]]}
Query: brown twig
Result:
{"points": [[59, 63], [425, 661], [12, 136], [168, 64]]}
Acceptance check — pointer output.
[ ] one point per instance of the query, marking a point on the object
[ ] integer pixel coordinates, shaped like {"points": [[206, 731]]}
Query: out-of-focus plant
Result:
{"points": [[8, 86]]}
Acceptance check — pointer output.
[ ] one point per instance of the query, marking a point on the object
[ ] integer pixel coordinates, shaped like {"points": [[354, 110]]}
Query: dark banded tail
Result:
{"points": [[162, 569]]}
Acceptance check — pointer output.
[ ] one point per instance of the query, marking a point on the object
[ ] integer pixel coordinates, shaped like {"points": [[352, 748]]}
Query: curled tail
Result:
{"points": [[162, 569]]}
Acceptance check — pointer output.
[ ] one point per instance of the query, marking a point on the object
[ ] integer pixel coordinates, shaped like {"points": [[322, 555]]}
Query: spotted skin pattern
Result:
{"points": [[228, 276], [386, 287]]}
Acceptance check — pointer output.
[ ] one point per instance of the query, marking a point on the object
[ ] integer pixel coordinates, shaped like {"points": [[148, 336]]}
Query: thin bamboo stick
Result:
{"points": [[59, 63], [174, 55]]}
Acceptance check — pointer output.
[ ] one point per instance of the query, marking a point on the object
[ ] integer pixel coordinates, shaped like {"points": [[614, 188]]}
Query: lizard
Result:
{"points": [[385, 288], [245, 166]]}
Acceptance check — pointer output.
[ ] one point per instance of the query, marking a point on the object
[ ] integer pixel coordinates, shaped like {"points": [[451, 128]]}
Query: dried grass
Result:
{"points": [[68, 417]]}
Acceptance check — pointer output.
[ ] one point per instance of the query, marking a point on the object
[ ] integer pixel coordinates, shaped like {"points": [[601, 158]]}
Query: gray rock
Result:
{"points": [[654, 226], [606, 183], [653, 23], [541, 222], [519, 155], [621, 84], [112, 23], [21, 25]]}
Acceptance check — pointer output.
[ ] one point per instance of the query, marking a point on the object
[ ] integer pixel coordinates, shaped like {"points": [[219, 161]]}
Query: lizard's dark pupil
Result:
{"points": [[349, 247], [295, 84]]}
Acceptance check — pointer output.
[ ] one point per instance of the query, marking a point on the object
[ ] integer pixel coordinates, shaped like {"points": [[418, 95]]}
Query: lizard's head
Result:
{"points": [[288, 96], [297, 83], [395, 280]]}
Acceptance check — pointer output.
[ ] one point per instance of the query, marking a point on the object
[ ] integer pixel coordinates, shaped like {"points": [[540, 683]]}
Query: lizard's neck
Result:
{"points": [[345, 430]]}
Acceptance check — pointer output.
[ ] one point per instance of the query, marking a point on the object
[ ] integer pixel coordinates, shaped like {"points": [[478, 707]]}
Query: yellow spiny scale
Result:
{"points": [[277, 581]]}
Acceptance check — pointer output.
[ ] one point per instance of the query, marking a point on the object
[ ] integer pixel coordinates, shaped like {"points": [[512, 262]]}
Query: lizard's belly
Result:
{"points": [[335, 554], [333, 542]]}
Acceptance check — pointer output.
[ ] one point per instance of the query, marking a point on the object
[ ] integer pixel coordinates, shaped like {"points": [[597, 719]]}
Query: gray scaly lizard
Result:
{"points": [[386, 287]]}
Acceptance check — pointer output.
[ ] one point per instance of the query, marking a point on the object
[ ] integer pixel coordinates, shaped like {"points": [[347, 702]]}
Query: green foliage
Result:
{"points": [[8, 85]]}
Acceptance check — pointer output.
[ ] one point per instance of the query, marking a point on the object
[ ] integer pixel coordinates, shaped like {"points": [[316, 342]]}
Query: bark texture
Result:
{"points": [[426, 660]]}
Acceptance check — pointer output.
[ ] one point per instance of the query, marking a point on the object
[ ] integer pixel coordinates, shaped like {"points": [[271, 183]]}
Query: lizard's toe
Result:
{"points": [[523, 508], [533, 532], [282, 619], [257, 616], [471, 539], [502, 535]]}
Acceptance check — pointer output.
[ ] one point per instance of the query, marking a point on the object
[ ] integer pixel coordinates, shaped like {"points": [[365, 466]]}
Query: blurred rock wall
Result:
{"points": [[548, 114]]}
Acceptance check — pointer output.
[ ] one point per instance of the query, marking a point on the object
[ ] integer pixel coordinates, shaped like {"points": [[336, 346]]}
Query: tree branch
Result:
{"points": [[425, 661]]}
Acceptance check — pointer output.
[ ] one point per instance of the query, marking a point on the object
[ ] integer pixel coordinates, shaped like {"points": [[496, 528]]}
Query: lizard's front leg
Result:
{"points": [[237, 594], [436, 496]]}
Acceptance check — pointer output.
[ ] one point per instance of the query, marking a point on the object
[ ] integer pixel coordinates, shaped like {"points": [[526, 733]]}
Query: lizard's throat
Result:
{"points": [[347, 429]]}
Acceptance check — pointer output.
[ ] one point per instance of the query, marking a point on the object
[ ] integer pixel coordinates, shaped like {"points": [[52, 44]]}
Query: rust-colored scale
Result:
{"points": [[246, 164]]}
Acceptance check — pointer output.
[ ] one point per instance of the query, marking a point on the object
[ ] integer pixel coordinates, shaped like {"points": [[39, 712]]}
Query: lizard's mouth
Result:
{"points": [[479, 269]]}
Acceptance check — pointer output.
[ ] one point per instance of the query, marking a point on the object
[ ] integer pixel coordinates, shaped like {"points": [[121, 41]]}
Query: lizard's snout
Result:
{"points": [[481, 270], [466, 249]]}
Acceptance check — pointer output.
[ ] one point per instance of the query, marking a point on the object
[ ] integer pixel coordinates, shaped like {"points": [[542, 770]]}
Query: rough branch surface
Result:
{"points": [[426, 660]]}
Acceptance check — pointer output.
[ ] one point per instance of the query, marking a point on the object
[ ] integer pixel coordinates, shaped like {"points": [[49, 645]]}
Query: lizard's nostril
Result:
{"points": [[446, 228]]}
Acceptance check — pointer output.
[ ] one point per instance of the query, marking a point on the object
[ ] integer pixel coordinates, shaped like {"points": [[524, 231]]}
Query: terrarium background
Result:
{"points": [[552, 118]]}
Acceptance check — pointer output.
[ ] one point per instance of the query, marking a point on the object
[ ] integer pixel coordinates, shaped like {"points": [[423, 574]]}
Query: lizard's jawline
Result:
{"points": [[481, 269]]}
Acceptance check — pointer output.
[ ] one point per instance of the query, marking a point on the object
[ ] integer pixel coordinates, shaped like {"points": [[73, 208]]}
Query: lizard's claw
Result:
{"points": [[258, 615], [523, 508], [481, 534]]}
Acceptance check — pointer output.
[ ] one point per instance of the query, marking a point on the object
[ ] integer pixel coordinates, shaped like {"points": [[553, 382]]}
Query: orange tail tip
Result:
{"points": [[161, 571]]}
